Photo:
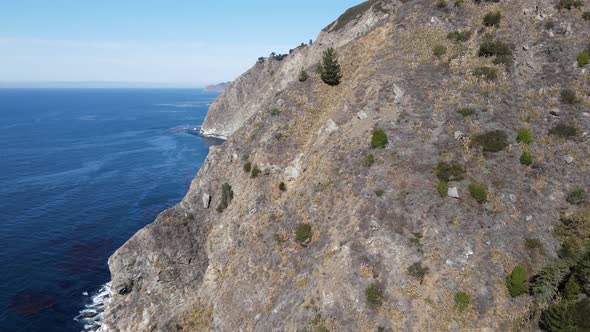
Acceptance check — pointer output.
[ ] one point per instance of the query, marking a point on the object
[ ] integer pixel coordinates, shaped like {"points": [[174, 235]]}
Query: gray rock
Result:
{"points": [[362, 115], [569, 159], [206, 200], [453, 192], [459, 135]]}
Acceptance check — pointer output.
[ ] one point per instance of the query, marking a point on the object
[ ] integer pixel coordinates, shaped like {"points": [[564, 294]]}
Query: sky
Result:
{"points": [[150, 42]]}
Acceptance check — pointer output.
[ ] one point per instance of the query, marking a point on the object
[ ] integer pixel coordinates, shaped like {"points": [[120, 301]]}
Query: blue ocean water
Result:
{"points": [[80, 172]]}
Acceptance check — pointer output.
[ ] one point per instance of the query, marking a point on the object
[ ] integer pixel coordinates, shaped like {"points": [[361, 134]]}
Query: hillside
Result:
{"points": [[306, 218]]}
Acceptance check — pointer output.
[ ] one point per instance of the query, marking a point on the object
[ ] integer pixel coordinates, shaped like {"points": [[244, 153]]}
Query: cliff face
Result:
{"points": [[376, 216]]}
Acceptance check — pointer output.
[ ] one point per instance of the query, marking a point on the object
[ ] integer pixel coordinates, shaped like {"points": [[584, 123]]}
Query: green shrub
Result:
{"points": [[568, 96], [492, 141], [459, 36], [546, 283], [462, 300], [379, 192], [303, 233], [500, 50], [418, 271], [564, 131], [492, 19], [577, 196], [583, 274], [526, 158], [556, 318], [458, 3], [525, 135], [255, 171], [329, 68], [282, 186], [439, 51], [533, 244], [583, 59], [517, 282], [248, 167], [303, 75], [574, 233], [569, 4], [549, 25], [466, 111], [374, 294], [449, 171], [443, 188], [379, 139], [227, 194], [275, 111], [487, 73], [441, 4], [369, 160], [586, 15], [572, 289], [479, 192]]}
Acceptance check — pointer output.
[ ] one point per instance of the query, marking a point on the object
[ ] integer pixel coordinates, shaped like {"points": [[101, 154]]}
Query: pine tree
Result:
{"points": [[303, 76], [329, 68], [557, 318], [547, 281]]}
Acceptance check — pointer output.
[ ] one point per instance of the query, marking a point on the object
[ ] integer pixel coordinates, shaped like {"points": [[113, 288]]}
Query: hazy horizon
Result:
{"points": [[149, 44]]}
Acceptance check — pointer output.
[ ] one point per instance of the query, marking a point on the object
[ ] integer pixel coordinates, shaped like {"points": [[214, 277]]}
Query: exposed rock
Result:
{"points": [[569, 159], [206, 200], [453, 192], [362, 115]]}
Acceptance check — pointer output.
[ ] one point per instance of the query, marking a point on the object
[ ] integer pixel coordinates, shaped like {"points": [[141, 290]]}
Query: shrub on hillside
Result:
{"points": [[369, 160], [569, 4], [379, 139], [282, 186], [255, 171], [517, 282], [526, 158], [459, 36], [568, 96], [492, 19], [227, 194], [586, 15], [439, 51], [564, 131], [533, 244], [462, 300], [577, 196], [546, 283], [303, 75], [452, 171], [374, 294], [583, 59], [443, 188], [466, 111], [502, 51], [479, 192], [418, 271], [303, 233], [492, 141], [525, 135], [487, 73], [248, 167]]}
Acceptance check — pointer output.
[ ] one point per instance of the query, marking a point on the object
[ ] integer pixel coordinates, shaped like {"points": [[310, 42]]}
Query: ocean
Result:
{"points": [[82, 170]]}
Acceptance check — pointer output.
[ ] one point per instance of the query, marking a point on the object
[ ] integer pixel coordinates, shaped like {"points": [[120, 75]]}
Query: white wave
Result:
{"points": [[92, 314]]}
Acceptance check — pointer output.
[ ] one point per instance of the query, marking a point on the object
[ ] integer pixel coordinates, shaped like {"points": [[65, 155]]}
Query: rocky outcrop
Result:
{"points": [[376, 217]]}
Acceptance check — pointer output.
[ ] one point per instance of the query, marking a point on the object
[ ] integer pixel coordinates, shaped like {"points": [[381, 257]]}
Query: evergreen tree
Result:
{"points": [[546, 283], [557, 318], [303, 76], [329, 68]]}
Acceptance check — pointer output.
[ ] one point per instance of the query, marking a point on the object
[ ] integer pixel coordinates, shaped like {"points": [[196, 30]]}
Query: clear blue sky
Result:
{"points": [[174, 42]]}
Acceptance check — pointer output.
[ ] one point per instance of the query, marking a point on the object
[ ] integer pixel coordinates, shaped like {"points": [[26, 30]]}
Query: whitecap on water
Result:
{"points": [[92, 314]]}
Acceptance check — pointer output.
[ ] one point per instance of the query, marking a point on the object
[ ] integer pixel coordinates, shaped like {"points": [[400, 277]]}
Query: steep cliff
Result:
{"points": [[247, 94], [300, 221]]}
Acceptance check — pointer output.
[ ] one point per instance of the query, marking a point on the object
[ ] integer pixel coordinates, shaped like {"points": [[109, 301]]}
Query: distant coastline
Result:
{"points": [[217, 87]]}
